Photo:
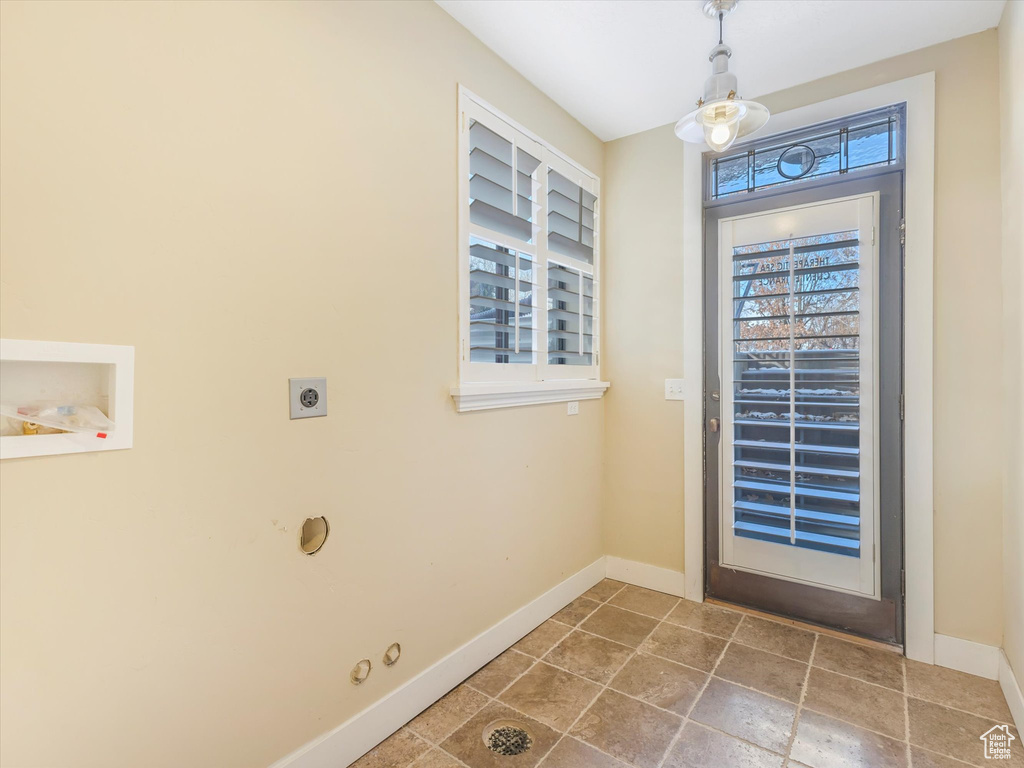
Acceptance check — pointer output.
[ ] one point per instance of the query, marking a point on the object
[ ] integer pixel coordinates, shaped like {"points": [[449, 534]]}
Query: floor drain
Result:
{"points": [[507, 738]]}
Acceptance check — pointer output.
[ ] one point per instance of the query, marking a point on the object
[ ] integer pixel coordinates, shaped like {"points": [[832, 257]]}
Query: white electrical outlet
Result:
{"points": [[673, 389], [574, 407], [307, 397]]}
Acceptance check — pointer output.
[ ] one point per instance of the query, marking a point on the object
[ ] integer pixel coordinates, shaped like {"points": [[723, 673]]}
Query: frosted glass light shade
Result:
{"points": [[748, 116]]}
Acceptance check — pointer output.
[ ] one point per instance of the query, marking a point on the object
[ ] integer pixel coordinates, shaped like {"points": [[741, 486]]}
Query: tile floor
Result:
{"points": [[625, 677]]}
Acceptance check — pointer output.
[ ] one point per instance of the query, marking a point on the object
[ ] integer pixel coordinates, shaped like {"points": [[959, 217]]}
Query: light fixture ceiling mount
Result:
{"points": [[721, 116], [713, 8]]}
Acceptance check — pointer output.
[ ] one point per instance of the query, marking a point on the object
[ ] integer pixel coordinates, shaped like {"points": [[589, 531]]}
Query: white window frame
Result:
{"points": [[501, 385]]}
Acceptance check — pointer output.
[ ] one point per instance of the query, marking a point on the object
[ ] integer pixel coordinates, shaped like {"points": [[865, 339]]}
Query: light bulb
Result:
{"points": [[720, 136], [720, 133], [721, 123]]}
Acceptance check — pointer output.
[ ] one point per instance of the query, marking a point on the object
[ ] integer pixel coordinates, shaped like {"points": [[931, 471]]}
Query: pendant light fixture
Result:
{"points": [[721, 116]]}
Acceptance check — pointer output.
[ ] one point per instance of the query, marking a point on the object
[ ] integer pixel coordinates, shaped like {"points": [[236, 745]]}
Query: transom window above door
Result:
{"points": [[855, 143], [529, 266]]}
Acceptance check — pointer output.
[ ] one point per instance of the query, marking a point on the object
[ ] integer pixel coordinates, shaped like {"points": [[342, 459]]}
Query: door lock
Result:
{"points": [[713, 424]]}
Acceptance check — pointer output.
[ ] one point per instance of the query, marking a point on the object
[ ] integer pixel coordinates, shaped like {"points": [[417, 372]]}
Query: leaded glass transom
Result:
{"points": [[855, 143]]}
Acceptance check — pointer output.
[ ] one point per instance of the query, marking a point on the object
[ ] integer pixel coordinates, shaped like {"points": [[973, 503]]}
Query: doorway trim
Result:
{"points": [[919, 94]]}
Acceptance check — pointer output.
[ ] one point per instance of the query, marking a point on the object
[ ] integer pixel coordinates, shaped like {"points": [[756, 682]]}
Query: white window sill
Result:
{"points": [[481, 396]]}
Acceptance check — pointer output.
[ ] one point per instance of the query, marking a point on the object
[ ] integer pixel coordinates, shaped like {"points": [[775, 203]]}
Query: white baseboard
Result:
{"points": [[966, 656], [1011, 690], [353, 738], [649, 576], [984, 661]]}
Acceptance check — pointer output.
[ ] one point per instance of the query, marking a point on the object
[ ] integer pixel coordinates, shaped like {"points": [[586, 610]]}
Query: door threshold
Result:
{"points": [[850, 638]]}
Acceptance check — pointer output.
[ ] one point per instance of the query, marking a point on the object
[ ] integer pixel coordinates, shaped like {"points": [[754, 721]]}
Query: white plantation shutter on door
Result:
{"points": [[796, 339], [529, 282], [799, 478]]}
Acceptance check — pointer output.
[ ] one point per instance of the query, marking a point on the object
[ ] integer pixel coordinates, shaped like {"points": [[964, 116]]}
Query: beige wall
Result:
{"points": [[210, 181], [1011, 79], [643, 347], [968, 339], [248, 192]]}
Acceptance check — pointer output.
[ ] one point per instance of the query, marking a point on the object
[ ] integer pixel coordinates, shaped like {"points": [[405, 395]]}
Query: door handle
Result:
{"points": [[713, 424]]}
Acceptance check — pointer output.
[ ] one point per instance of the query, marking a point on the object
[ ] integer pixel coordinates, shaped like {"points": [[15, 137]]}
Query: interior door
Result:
{"points": [[795, 441]]}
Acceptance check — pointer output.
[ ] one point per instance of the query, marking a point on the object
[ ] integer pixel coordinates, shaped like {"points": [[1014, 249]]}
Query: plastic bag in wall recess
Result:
{"points": [[66, 417]]}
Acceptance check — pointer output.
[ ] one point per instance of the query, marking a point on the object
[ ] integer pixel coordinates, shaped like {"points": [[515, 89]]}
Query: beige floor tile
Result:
{"points": [[576, 611], [922, 758], [686, 646], [763, 671], [660, 682], [570, 753], [467, 743], [628, 729], [437, 758], [542, 639], [870, 706], [397, 751], [496, 676], [872, 665], [954, 734], [822, 742], [645, 601], [621, 626], [604, 590], [700, 747], [594, 658], [553, 697], [958, 690], [705, 617], [775, 638], [746, 714], [439, 720]]}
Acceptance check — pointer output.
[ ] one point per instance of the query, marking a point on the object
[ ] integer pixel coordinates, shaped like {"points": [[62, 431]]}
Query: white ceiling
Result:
{"points": [[623, 66]]}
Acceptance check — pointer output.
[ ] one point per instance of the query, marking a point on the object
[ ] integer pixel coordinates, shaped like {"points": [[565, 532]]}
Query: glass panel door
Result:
{"points": [[798, 386]]}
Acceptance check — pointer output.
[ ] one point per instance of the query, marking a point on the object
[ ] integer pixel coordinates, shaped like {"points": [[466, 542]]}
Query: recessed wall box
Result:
{"points": [[65, 375]]}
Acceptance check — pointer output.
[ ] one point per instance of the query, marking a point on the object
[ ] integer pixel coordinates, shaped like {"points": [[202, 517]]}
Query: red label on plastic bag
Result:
{"points": [[101, 434]]}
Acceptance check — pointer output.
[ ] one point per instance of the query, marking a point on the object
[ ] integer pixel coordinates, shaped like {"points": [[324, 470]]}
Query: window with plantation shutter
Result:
{"points": [[529, 258], [501, 328], [500, 200], [570, 316], [570, 218]]}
